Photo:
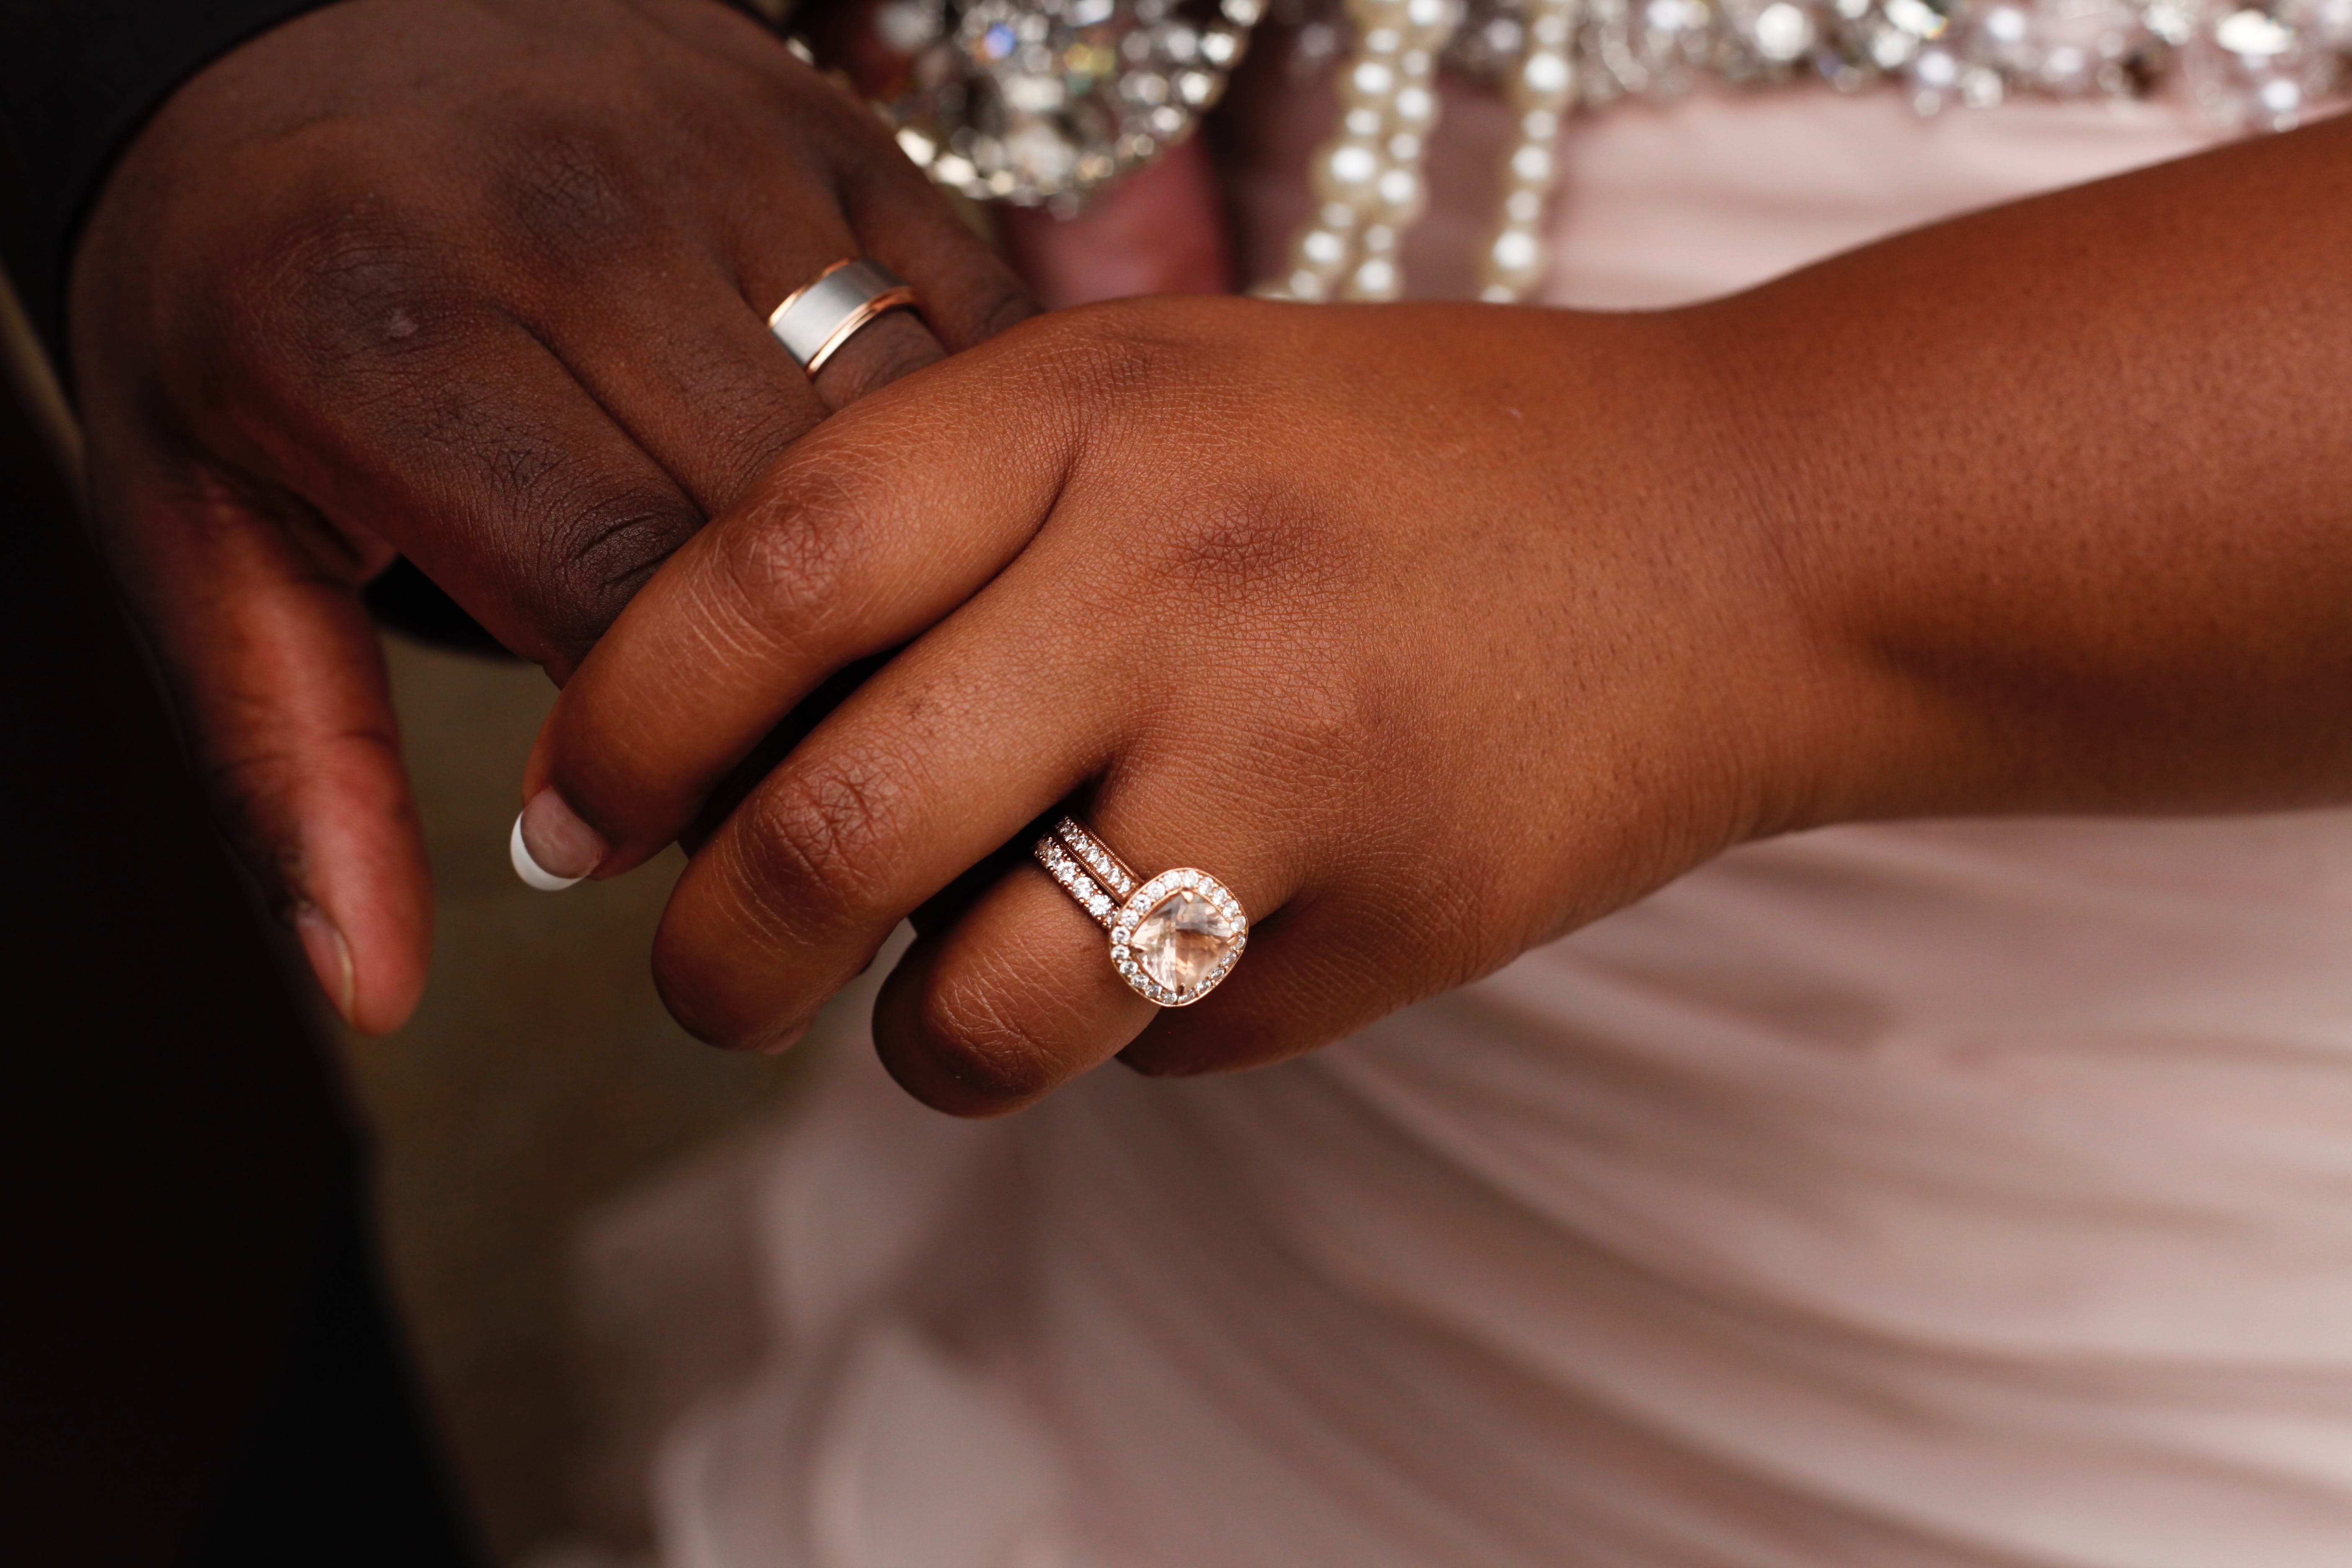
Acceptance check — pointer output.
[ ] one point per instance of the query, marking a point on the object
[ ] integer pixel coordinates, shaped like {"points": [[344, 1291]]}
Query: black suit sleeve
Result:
{"points": [[78, 78]]}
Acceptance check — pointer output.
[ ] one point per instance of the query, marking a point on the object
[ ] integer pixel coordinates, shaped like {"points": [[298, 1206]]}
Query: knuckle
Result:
{"points": [[601, 539], [257, 787], [788, 561], [1121, 354], [815, 846], [571, 194], [346, 287]]}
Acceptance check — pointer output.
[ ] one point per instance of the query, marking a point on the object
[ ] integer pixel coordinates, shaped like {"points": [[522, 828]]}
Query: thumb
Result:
{"points": [[280, 671]]}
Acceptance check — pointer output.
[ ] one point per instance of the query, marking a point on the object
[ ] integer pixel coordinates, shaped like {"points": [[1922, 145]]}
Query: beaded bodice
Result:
{"points": [[1046, 101], [2239, 67]]}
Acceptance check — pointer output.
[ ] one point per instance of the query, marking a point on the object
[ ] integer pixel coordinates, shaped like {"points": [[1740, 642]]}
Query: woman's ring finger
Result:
{"points": [[1174, 937]]}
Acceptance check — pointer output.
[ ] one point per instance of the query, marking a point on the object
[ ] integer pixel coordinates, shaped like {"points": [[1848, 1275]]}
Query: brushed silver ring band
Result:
{"points": [[829, 309]]}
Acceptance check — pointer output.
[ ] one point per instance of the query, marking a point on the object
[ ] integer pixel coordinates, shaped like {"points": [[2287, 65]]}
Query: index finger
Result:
{"points": [[868, 531]]}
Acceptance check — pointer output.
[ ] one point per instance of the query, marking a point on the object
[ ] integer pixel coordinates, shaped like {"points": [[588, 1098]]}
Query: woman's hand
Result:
{"points": [[482, 282], [1432, 632], [1436, 631]]}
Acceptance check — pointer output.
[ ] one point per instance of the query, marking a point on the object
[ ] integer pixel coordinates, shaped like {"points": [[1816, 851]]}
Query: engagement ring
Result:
{"points": [[1172, 937]]}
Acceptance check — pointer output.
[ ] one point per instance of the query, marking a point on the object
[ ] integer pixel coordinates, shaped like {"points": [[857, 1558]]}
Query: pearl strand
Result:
{"points": [[1366, 178], [1542, 90]]}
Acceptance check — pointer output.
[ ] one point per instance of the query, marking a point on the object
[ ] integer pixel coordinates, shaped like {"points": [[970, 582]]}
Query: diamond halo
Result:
{"points": [[1173, 939]]}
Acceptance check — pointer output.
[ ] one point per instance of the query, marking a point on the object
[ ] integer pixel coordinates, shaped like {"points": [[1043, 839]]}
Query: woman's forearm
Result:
{"points": [[2066, 488]]}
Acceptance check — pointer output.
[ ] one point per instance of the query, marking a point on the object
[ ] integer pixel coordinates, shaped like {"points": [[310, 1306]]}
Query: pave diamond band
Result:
{"points": [[1173, 938], [826, 312]]}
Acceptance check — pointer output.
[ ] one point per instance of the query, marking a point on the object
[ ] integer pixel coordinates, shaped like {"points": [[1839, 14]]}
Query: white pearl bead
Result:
{"points": [[1371, 83], [1546, 72], [1375, 280], [1352, 164], [1401, 190], [1516, 250], [1345, 172]]}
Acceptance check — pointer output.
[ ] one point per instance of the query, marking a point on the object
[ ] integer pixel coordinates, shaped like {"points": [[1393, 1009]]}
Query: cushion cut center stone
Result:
{"points": [[1177, 943]]}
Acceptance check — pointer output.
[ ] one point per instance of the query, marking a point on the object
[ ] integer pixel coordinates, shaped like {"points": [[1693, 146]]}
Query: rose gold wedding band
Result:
{"points": [[827, 311], [1173, 938]]}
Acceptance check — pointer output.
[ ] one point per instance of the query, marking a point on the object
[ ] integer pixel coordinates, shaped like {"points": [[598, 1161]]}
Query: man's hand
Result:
{"points": [[482, 282]]}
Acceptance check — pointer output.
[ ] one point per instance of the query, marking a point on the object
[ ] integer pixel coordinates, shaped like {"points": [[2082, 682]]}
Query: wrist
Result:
{"points": [[1850, 721], [1781, 713]]}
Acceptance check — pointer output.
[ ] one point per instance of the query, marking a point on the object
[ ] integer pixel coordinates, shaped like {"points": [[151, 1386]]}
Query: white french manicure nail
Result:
{"points": [[553, 847], [529, 869]]}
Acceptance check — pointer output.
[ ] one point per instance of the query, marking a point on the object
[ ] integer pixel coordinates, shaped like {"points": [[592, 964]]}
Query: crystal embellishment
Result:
{"points": [[2236, 65], [1039, 102]]}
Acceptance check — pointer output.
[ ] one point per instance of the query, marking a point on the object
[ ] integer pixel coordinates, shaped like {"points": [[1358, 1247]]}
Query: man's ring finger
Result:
{"points": [[828, 311]]}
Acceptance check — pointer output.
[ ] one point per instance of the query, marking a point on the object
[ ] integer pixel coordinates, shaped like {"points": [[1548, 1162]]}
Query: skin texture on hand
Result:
{"points": [[481, 282], [1433, 632], [1305, 596]]}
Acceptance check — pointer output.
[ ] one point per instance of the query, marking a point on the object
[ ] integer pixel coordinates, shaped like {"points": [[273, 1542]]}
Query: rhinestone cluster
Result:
{"points": [[2258, 66], [1221, 923], [1045, 101]]}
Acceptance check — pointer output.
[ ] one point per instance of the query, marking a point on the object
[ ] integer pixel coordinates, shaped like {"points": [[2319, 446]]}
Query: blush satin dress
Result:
{"points": [[1949, 1195]]}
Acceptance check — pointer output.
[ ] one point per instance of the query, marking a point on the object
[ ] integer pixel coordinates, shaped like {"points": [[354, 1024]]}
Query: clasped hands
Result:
{"points": [[1433, 631], [1389, 617]]}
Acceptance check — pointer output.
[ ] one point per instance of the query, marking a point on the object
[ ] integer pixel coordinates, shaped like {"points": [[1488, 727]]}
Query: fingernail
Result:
{"points": [[330, 956], [550, 847]]}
